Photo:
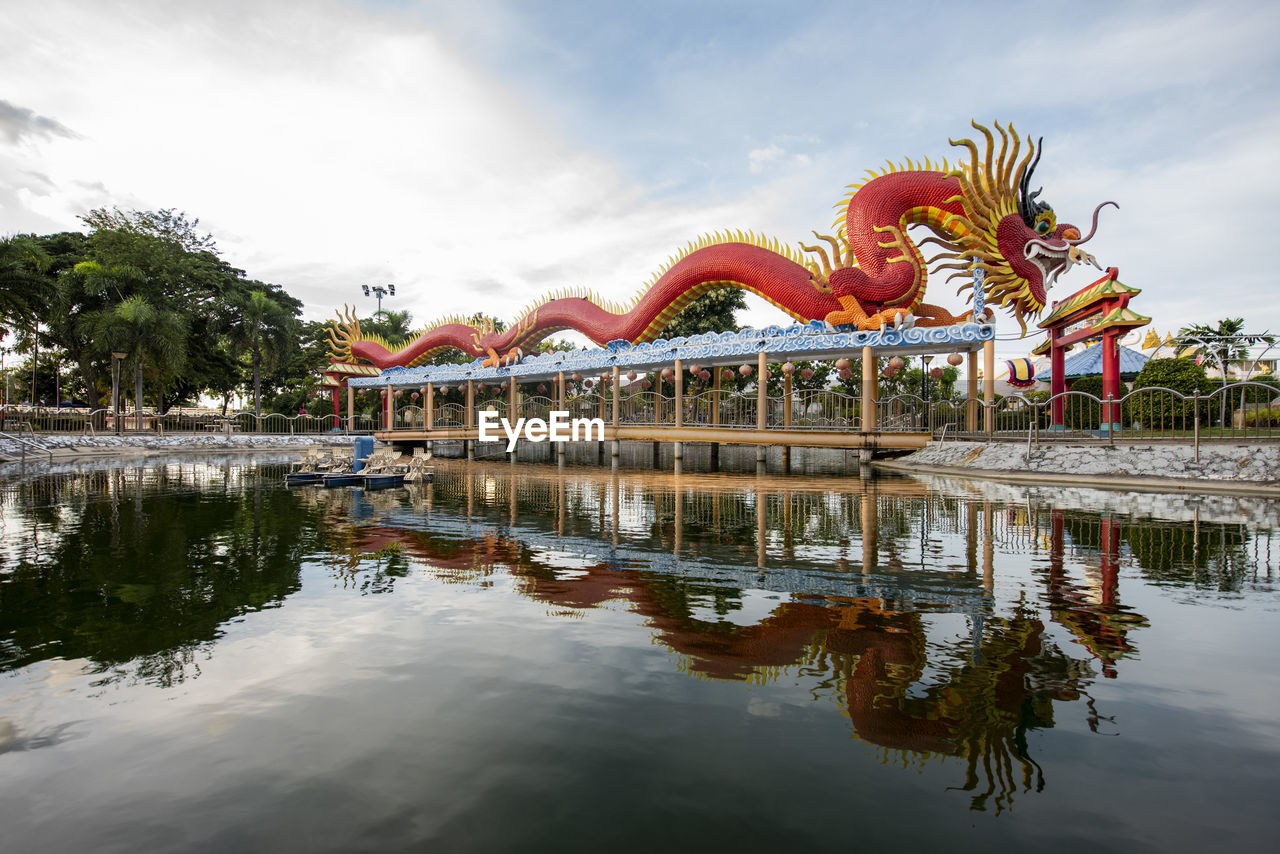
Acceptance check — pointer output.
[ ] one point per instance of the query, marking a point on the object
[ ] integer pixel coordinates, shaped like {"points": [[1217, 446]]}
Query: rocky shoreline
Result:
{"points": [[1169, 466], [55, 447]]}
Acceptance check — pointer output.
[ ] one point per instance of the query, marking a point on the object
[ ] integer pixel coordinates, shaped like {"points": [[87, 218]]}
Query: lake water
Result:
{"points": [[532, 658]]}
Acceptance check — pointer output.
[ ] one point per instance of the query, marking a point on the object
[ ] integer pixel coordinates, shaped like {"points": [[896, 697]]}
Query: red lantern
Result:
{"points": [[788, 368], [842, 364], [704, 375], [414, 395], [399, 393], [577, 377], [897, 363], [954, 360], [586, 383], [727, 374], [768, 374], [542, 389], [745, 370], [846, 374], [667, 374], [462, 389], [695, 369], [646, 385], [936, 373], [807, 374], [631, 375]]}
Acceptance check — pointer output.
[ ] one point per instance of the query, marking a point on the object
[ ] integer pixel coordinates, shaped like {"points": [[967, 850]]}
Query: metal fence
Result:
{"points": [[38, 420], [1246, 411]]}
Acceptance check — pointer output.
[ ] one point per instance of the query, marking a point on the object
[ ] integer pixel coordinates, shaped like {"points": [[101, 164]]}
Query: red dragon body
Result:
{"points": [[981, 213]]}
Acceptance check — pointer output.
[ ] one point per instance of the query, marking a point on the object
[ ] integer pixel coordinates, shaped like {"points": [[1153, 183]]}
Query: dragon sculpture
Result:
{"points": [[981, 211]]}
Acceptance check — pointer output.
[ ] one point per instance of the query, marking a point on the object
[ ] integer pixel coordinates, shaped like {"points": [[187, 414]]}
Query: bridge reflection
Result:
{"points": [[857, 588]]}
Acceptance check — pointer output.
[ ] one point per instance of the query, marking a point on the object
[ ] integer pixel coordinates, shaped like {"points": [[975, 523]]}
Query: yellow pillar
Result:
{"points": [[617, 394], [786, 400], [431, 406], [470, 420], [989, 385], [971, 405], [351, 409], [870, 388], [679, 384], [716, 375], [762, 394]]}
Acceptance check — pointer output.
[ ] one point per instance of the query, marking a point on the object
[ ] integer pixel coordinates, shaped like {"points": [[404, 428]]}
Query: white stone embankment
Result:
{"points": [[1151, 465], [64, 447]]}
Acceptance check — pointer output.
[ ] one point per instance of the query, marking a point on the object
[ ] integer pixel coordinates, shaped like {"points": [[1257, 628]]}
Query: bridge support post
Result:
{"points": [[677, 448], [430, 415], [762, 403], [470, 418], [717, 374], [870, 391], [971, 403], [560, 404], [616, 450], [351, 410], [786, 419], [989, 386]]}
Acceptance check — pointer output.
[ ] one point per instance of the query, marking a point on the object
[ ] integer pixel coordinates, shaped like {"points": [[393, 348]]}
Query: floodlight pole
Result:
{"points": [[380, 291]]}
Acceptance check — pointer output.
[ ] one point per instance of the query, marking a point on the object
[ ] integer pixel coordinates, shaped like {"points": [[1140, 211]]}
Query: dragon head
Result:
{"points": [[1008, 231]]}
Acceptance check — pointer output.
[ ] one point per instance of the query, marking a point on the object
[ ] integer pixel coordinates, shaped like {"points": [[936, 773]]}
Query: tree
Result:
{"points": [[1163, 411], [145, 333], [711, 312], [264, 330], [1221, 345]]}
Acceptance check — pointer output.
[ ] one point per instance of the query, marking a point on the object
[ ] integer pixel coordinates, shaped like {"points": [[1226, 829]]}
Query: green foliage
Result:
{"points": [[711, 312], [1157, 410], [1269, 417], [1082, 413]]}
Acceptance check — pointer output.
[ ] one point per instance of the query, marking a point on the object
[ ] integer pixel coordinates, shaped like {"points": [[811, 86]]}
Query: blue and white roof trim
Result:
{"points": [[812, 340]]}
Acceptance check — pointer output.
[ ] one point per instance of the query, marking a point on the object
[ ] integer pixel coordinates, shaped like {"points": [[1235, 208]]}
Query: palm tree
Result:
{"points": [[1222, 344], [146, 334], [264, 330]]}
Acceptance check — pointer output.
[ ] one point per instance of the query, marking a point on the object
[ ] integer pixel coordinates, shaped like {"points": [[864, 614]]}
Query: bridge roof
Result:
{"points": [[811, 341]]}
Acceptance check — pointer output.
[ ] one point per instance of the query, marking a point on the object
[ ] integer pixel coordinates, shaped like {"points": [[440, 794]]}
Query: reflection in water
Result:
{"points": [[851, 582], [135, 568], [889, 599]]}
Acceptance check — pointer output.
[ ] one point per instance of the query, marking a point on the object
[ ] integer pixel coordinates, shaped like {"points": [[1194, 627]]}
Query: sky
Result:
{"points": [[478, 154]]}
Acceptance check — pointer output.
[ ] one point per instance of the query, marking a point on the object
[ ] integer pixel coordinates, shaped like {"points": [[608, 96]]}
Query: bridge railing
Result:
{"points": [[177, 420]]}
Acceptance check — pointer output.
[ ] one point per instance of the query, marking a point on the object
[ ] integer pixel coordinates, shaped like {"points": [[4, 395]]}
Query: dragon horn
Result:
{"points": [[1095, 224]]}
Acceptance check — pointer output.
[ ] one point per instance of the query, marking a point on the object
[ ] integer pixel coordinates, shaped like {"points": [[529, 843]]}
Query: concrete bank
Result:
{"points": [[1151, 466], [60, 447]]}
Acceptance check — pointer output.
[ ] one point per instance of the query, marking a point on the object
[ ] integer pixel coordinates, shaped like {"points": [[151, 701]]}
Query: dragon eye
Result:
{"points": [[1045, 222]]}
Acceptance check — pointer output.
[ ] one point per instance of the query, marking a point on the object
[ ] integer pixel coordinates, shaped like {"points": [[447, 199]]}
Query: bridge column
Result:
{"points": [[560, 404], [513, 403], [971, 403], [716, 376], [677, 448], [870, 391], [762, 403], [431, 414], [469, 418], [389, 416], [351, 408], [989, 385], [616, 449], [786, 419], [422, 392]]}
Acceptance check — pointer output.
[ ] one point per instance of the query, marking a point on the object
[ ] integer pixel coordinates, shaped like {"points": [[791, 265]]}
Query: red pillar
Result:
{"points": [[333, 392], [1057, 380], [1110, 380]]}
